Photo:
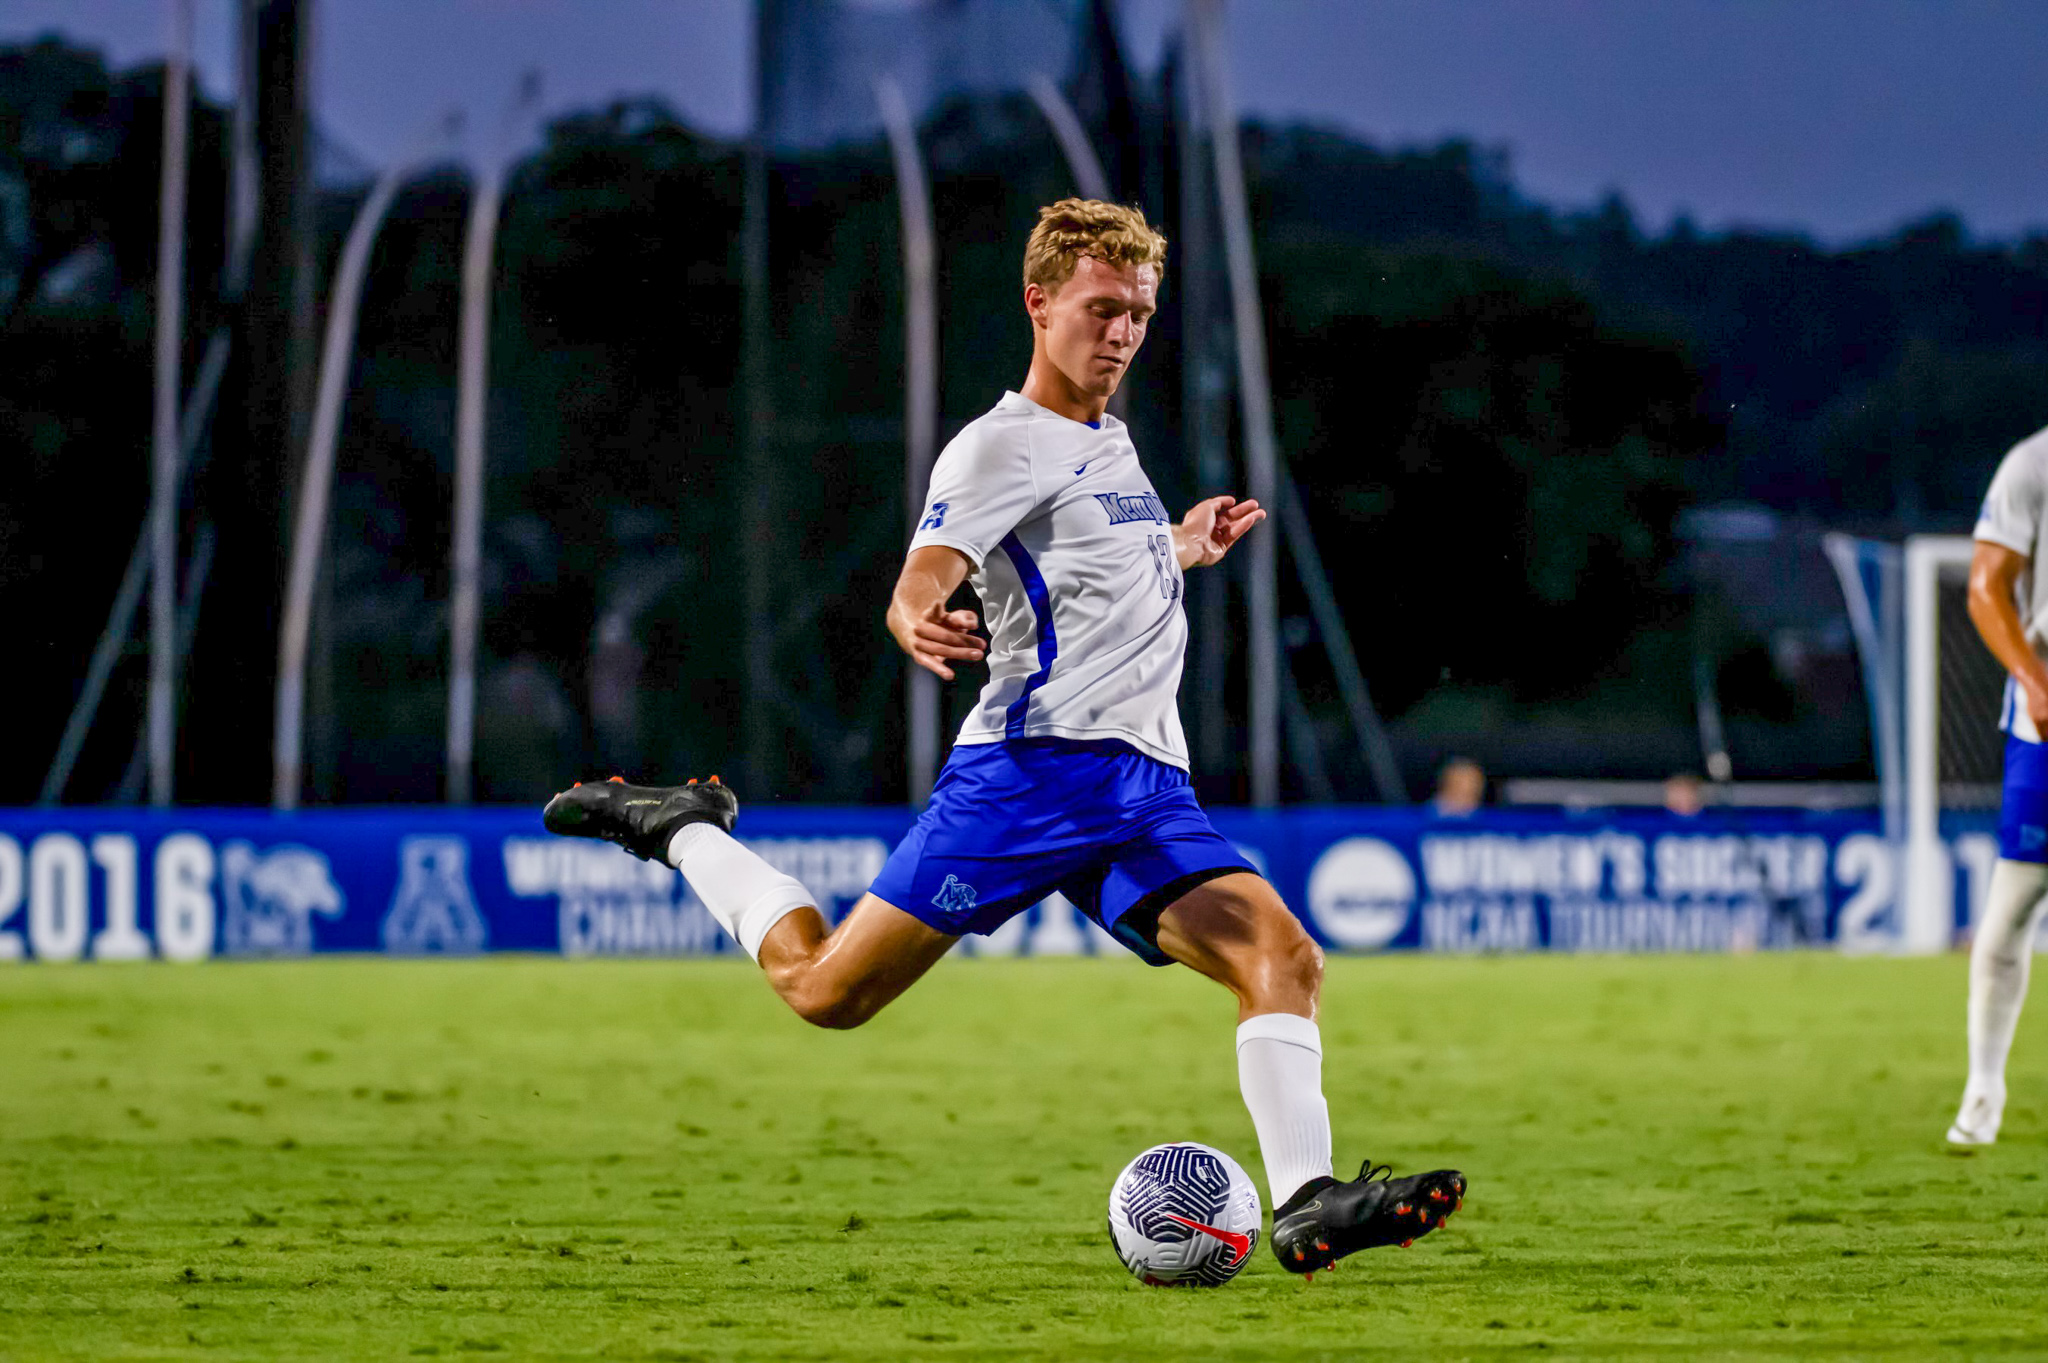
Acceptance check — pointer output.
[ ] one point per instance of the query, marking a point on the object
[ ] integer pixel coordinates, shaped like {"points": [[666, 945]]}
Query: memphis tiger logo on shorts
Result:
{"points": [[955, 896]]}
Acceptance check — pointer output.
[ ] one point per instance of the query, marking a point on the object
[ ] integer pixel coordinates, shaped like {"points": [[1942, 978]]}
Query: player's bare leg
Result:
{"points": [[1236, 930], [833, 978], [840, 977]]}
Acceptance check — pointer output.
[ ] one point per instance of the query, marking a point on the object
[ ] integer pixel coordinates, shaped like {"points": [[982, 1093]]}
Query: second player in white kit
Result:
{"points": [[2009, 605]]}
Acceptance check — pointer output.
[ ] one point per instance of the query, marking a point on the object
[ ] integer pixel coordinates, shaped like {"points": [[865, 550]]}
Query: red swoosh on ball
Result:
{"points": [[1241, 1244]]}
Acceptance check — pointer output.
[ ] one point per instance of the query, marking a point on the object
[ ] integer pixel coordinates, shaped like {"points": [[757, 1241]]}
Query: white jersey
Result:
{"points": [[2015, 515], [1079, 583]]}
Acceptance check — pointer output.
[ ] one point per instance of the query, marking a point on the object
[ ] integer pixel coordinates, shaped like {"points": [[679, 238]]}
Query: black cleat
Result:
{"points": [[640, 819], [1327, 1220]]}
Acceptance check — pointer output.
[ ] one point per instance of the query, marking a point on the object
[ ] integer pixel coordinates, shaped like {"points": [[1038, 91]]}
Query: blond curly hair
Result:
{"points": [[1072, 228]]}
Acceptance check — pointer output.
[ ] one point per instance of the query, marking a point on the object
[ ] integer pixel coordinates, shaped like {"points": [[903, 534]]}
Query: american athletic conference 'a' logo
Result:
{"points": [[432, 909], [955, 896]]}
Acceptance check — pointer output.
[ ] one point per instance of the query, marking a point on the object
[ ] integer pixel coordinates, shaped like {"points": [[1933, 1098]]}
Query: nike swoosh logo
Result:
{"points": [[1083, 469], [1240, 1245], [1298, 1221], [1305, 1210]]}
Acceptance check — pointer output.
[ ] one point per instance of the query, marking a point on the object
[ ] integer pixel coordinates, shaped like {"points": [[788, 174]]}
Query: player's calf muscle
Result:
{"points": [[1290, 972], [789, 958], [802, 976], [827, 998], [822, 1004], [839, 978], [1237, 931], [1283, 976]]}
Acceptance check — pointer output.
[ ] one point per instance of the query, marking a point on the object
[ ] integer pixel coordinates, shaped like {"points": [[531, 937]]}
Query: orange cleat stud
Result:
{"points": [[1406, 1243], [1402, 1209], [714, 778], [1323, 1245], [617, 781], [575, 785], [1309, 1278]]}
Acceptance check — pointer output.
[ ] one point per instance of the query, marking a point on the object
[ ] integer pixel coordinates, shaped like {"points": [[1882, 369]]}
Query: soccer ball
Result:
{"points": [[1183, 1215]]}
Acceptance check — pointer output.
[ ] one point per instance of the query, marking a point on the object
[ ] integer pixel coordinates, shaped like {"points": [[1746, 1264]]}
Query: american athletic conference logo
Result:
{"points": [[433, 909], [955, 896]]}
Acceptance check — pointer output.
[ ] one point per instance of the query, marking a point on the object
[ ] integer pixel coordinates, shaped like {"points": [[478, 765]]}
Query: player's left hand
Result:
{"points": [[1206, 533]]}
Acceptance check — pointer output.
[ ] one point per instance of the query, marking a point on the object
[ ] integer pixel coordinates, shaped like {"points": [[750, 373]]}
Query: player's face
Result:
{"points": [[1093, 326]]}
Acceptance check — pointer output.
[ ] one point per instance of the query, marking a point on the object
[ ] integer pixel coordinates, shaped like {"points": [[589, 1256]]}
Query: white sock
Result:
{"points": [[744, 893], [1280, 1073], [1999, 959]]}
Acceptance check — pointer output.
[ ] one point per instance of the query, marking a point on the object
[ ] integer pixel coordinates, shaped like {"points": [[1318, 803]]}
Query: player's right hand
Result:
{"points": [[918, 618], [939, 635]]}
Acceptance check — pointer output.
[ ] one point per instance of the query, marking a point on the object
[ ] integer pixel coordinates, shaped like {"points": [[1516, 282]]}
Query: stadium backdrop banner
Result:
{"points": [[188, 885]]}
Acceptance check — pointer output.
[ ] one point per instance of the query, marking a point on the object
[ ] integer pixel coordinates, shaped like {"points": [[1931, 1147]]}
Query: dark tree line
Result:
{"points": [[1495, 411]]}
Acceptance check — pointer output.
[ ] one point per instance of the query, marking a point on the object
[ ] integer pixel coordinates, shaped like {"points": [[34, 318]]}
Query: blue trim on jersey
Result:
{"points": [[1048, 642], [1092, 425], [2007, 709]]}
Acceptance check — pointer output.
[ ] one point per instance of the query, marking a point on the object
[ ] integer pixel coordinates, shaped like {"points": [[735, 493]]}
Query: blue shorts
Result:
{"points": [[2023, 812], [1115, 831]]}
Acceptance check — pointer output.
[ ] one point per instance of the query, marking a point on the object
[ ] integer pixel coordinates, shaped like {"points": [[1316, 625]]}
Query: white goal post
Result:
{"points": [[1929, 905], [1954, 752]]}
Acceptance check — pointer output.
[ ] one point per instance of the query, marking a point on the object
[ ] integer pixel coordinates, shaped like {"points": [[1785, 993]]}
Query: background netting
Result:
{"points": [[1971, 750]]}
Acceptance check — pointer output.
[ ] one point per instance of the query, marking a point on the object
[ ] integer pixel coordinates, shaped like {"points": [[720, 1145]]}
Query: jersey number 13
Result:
{"points": [[1162, 560]]}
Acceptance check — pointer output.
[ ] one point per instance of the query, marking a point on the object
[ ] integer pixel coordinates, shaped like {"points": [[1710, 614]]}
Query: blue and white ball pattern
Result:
{"points": [[1184, 1215]]}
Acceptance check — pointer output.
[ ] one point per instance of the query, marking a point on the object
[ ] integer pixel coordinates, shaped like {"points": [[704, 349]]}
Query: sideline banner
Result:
{"points": [[187, 885]]}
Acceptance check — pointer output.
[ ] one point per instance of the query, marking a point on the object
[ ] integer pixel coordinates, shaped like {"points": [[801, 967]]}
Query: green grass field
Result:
{"points": [[538, 1158]]}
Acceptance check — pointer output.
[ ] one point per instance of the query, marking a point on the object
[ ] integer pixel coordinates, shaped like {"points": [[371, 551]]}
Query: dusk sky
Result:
{"points": [[1840, 118]]}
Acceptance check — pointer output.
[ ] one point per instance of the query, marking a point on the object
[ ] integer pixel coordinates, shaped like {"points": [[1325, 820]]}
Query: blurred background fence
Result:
{"points": [[1562, 479]]}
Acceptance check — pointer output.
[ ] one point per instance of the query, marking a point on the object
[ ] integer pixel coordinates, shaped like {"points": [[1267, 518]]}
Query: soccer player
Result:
{"points": [[2009, 606], [1071, 772]]}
